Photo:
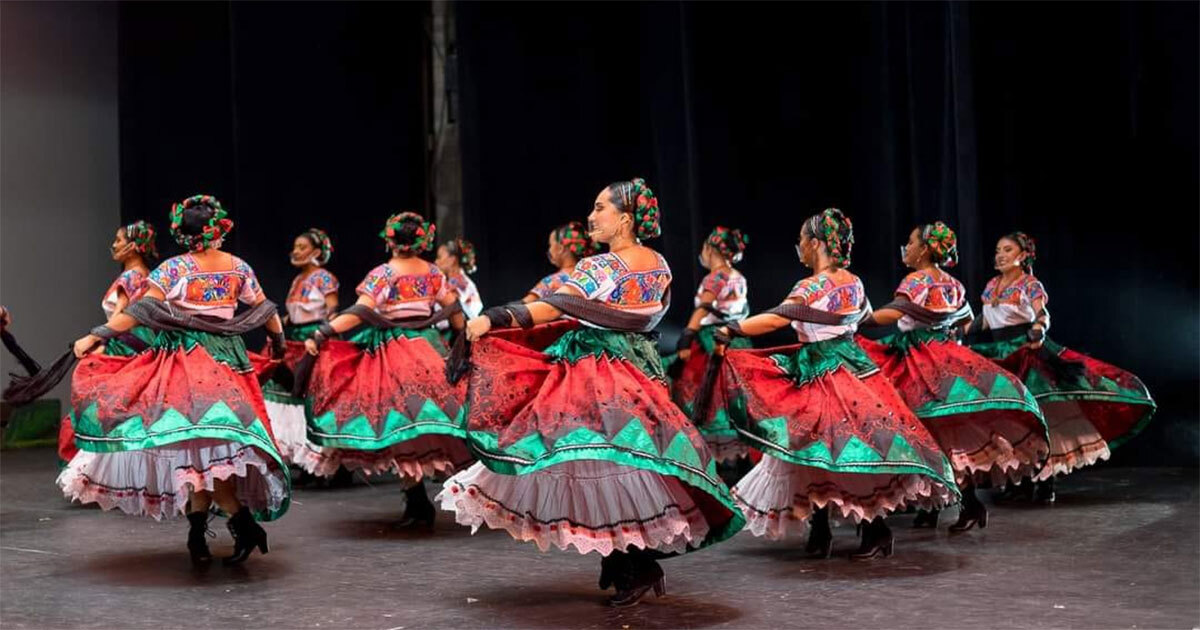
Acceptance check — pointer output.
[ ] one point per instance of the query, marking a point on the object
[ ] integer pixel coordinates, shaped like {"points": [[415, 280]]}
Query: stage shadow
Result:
{"points": [[566, 604], [386, 529], [173, 568], [908, 561]]}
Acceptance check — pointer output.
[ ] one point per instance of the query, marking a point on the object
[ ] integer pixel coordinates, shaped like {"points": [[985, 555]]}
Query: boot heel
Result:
{"points": [[660, 587], [262, 546], [983, 519], [891, 547]]}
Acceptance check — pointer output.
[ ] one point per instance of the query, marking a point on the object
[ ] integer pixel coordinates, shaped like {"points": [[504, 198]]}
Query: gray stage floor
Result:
{"points": [[1119, 550]]}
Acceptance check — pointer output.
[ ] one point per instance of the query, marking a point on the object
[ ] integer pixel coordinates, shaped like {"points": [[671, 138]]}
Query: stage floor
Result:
{"points": [[1121, 549]]}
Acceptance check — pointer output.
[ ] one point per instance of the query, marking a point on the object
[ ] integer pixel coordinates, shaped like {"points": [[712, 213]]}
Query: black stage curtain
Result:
{"points": [[1073, 122], [293, 114]]}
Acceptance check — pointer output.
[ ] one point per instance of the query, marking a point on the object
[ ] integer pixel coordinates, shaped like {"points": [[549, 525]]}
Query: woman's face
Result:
{"points": [[1008, 254], [914, 250], [807, 250], [607, 222], [554, 250], [446, 262], [708, 257], [121, 246], [303, 251]]}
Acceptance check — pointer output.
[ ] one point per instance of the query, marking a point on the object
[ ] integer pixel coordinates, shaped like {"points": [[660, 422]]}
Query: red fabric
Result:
{"points": [[149, 383], [401, 374], [516, 390], [1111, 419], [683, 389], [66, 440], [832, 408]]}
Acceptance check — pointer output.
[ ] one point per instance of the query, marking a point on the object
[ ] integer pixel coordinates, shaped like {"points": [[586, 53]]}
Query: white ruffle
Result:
{"points": [[726, 450], [156, 482], [413, 460], [1074, 441], [778, 497], [590, 505], [289, 425]]}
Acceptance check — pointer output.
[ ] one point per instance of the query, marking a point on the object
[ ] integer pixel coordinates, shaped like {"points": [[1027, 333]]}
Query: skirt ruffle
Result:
{"points": [[588, 505], [983, 417], [411, 460], [157, 482], [778, 497]]}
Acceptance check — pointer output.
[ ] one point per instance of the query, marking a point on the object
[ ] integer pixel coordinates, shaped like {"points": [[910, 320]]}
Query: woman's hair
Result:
{"points": [[408, 232], [142, 235], [574, 239], [198, 223], [835, 230], [320, 241], [635, 197], [942, 243], [1028, 244], [462, 250], [729, 242]]}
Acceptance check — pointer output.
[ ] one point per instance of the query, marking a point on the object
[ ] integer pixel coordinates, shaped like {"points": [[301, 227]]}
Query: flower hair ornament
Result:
{"points": [[423, 233], [216, 228]]}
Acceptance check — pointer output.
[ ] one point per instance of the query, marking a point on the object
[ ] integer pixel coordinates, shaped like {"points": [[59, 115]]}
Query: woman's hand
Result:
{"points": [[684, 354], [88, 344], [311, 347], [478, 327]]}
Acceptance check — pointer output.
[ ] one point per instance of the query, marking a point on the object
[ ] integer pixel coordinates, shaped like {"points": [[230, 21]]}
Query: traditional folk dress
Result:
{"points": [[306, 311], [132, 284], [550, 284], [1090, 406], [833, 430], [378, 401], [578, 440], [730, 305], [468, 298], [183, 413], [985, 419]]}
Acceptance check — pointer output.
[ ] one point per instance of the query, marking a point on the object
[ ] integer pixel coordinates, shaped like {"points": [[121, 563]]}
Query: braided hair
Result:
{"points": [[408, 232], [573, 237], [198, 223], [142, 235], [731, 243], [635, 197], [942, 243], [835, 230], [320, 240], [464, 251], [1028, 244]]}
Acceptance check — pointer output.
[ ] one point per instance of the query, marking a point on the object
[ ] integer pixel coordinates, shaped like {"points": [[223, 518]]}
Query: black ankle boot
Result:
{"points": [[1044, 492], [926, 518], [820, 536], [247, 535], [877, 540], [972, 512], [634, 574], [196, 544], [418, 509]]}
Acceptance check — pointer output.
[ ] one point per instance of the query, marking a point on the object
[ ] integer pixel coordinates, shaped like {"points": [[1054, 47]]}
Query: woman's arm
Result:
{"points": [[341, 323], [119, 322]]}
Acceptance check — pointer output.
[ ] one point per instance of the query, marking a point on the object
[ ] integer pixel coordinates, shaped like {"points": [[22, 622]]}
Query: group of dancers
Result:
{"points": [[553, 417]]}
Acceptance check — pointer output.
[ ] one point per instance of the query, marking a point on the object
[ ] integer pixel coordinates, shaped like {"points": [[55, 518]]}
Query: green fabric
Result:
{"points": [[638, 349], [229, 350], [300, 332], [357, 433], [706, 337], [369, 338], [117, 348], [814, 360], [906, 340], [632, 446]]}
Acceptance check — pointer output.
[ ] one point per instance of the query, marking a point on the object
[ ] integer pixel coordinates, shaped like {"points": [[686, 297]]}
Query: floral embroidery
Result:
{"points": [[846, 297], [924, 289], [606, 278], [317, 285], [385, 286], [550, 283], [1027, 288], [201, 288]]}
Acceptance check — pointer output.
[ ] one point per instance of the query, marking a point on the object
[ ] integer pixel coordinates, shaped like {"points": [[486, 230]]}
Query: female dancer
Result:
{"points": [[986, 420], [569, 244], [456, 260], [312, 300], [578, 440], [720, 299], [1090, 406], [833, 431], [182, 425], [380, 401], [132, 247]]}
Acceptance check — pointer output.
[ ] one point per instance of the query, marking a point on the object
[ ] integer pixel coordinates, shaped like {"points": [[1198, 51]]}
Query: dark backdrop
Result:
{"points": [[293, 115], [1074, 122]]}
